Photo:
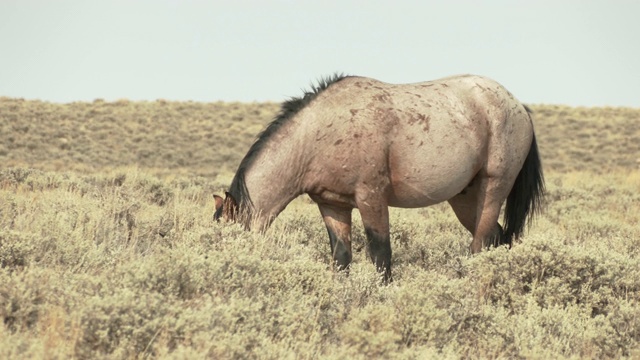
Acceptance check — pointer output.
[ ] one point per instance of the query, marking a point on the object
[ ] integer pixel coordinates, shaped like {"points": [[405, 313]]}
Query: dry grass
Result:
{"points": [[208, 139], [108, 249], [162, 137]]}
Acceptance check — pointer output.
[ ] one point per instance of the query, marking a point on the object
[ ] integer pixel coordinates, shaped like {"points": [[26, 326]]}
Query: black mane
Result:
{"points": [[288, 110]]}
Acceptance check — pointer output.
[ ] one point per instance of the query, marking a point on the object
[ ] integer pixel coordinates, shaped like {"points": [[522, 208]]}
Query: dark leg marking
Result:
{"points": [[341, 254], [380, 252], [502, 239]]}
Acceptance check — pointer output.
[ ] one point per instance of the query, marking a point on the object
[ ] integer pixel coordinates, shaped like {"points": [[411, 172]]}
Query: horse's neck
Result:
{"points": [[275, 179]]}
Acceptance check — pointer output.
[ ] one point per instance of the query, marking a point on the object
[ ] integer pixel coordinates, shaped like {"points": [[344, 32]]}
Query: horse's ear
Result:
{"points": [[219, 201]]}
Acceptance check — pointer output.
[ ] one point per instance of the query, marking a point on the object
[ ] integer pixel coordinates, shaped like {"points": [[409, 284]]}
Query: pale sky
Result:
{"points": [[579, 53]]}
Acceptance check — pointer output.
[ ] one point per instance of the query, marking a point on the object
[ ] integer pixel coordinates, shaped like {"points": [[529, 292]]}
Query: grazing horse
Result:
{"points": [[355, 142]]}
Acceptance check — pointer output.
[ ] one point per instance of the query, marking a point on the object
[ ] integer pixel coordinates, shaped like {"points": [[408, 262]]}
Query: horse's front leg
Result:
{"points": [[338, 222], [375, 218]]}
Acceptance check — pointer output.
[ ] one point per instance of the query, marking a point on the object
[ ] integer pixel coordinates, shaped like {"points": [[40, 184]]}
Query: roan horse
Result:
{"points": [[355, 142]]}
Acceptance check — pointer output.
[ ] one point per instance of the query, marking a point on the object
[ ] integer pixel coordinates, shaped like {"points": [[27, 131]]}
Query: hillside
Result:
{"points": [[210, 138]]}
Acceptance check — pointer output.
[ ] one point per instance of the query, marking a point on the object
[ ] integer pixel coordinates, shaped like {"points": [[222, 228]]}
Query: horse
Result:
{"points": [[356, 142]]}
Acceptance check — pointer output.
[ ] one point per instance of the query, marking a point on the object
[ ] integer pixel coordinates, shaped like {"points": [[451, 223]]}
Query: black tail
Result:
{"points": [[525, 198]]}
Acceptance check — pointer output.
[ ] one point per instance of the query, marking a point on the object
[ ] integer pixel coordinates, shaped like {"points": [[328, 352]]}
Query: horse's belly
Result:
{"points": [[428, 182], [411, 194]]}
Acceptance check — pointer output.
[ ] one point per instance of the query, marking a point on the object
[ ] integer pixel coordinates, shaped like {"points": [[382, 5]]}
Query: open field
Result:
{"points": [[108, 249]]}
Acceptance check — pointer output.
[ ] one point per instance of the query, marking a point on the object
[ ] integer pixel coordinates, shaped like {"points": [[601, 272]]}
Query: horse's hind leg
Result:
{"points": [[492, 192], [478, 209], [338, 222]]}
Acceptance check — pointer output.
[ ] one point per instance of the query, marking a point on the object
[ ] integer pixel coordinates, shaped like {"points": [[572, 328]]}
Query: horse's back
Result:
{"points": [[429, 139]]}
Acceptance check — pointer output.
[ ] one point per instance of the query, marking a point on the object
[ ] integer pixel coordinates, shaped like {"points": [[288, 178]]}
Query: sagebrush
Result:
{"points": [[106, 252]]}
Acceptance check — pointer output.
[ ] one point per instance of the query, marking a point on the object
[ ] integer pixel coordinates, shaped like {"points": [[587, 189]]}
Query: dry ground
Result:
{"points": [[108, 249]]}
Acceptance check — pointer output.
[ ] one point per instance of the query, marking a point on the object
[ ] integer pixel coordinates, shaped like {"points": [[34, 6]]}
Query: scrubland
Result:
{"points": [[108, 249]]}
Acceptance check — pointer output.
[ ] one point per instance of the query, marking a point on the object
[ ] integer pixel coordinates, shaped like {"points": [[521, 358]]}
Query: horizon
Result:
{"points": [[573, 53]]}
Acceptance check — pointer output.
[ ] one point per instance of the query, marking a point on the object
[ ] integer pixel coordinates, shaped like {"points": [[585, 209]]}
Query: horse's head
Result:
{"points": [[226, 208]]}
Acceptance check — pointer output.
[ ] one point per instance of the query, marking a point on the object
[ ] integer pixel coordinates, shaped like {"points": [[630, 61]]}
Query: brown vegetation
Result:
{"points": [[108, 248]]}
